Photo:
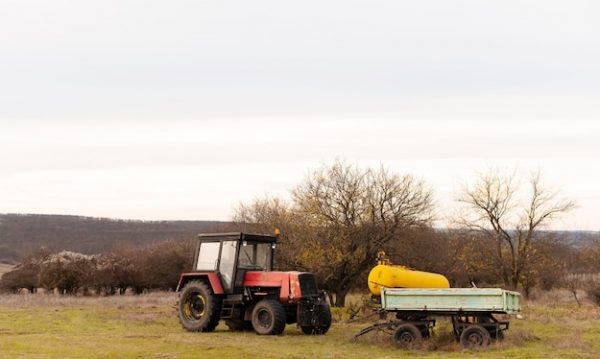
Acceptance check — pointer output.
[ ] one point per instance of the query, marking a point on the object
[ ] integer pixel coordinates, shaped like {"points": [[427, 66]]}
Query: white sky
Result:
{"points": [[181, 109]]}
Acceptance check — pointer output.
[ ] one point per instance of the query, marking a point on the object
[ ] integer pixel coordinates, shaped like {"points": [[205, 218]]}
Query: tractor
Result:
{"points": [[232, 280]]}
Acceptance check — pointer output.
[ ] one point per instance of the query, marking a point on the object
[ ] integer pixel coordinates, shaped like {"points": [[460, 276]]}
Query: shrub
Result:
{"points": [[593, 291]]}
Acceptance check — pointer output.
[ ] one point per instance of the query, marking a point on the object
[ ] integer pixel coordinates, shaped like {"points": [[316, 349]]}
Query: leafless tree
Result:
{"points": [[264, 215], [339, 218], [494, 205], [353, 213]]}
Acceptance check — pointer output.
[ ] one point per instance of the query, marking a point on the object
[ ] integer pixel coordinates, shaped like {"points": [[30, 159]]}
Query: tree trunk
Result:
{"points": [[513, 283], [331, 300], [340, 297]]}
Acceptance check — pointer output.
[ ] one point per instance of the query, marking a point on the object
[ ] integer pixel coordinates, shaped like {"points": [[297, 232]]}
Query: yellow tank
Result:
{"points": [[391, 276]]}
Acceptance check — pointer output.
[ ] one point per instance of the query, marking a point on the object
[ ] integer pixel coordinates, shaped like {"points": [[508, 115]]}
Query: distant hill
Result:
{"points": [[576, 239], [21, 234]]}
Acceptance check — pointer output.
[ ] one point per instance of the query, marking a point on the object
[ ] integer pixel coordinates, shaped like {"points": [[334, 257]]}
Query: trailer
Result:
{"points": [[472, 311]]}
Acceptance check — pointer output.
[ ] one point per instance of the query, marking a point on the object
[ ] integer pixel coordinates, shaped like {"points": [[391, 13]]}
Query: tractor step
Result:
{"points": [[229, 305]]}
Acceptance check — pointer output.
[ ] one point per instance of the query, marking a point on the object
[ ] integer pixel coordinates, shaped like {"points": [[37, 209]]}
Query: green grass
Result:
{"points": [[47, 326]]}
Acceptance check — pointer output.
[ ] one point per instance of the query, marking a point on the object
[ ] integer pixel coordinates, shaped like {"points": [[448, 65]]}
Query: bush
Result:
{"points": [[24, 276], [67, 272], [154, 267], [593, 291]]}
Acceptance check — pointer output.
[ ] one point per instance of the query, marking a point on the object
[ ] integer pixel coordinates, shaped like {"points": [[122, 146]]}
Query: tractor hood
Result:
{"points": [[294, 285]]}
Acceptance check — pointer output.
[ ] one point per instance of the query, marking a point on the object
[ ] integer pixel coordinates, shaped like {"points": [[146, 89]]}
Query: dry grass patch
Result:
{"points": [[26, 300], [572, 340]]}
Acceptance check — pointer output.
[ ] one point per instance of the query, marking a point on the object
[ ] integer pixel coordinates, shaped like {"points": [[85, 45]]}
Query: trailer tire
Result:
{"points": [[475, 336], [406, 335], [199, 308], [268, 317]]}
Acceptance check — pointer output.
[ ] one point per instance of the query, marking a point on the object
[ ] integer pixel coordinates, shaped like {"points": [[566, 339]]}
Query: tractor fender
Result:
{"points": [[210, 278]]}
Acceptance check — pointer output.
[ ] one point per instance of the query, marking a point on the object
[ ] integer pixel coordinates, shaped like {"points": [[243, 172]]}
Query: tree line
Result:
{"points": [[137, 268], [466, 258]]}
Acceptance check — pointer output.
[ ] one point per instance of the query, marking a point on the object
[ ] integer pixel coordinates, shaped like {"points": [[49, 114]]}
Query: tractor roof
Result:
{"points": [[238, 236]]}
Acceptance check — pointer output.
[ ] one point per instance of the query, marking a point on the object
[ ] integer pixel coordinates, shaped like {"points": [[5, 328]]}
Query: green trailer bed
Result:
{"points": [[450, 300]]}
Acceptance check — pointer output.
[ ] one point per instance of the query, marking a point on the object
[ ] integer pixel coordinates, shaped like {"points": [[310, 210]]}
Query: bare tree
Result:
{"points": [[494, 207], [264, 215], [340, 217], [353, 213]]}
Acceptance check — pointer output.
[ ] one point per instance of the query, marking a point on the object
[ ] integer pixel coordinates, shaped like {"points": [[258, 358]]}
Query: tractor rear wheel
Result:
{"points": [[268, 317], [198, 308]]}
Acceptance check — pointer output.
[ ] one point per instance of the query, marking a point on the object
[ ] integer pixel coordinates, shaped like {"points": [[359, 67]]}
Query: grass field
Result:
{"points": [[48, 326]]}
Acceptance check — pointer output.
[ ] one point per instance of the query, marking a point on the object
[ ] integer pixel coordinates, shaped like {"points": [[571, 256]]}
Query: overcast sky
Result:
{"points": [[182, 109]]}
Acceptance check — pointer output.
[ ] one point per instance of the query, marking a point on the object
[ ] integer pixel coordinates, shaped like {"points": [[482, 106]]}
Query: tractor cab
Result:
{"points": [[231, 255]]}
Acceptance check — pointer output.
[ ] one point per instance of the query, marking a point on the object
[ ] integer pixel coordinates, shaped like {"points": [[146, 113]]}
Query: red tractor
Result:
{"points": [[232, 279]]}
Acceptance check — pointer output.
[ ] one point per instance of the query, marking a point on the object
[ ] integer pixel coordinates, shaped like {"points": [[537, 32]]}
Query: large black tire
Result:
{"points": [[325, 323], [198, 307], [268, 317], [475, 336], [407, 335]]}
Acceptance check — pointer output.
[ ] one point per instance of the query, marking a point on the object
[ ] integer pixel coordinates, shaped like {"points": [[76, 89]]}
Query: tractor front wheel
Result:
{"points": [[322, 325], [268, 317], [198, 308]]}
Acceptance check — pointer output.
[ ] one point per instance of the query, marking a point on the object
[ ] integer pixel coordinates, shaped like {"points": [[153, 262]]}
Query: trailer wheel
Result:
{"points": [[198, 308], [268, 317], [406, 335], [475, 336]]}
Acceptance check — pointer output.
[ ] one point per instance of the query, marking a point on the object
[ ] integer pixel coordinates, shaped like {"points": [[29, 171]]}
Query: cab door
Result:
{"points": [[227, 264]]}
